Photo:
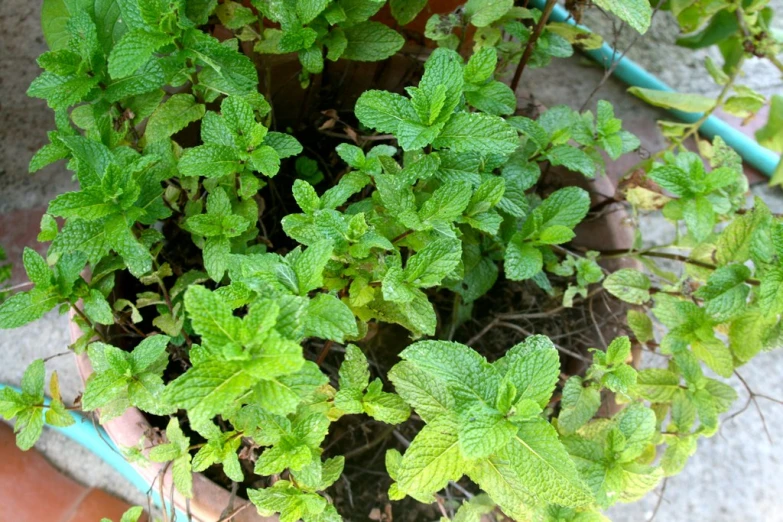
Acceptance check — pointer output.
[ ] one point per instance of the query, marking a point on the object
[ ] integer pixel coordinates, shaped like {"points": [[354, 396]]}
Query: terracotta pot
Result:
{"points": [[209, 499], [32, 490]]}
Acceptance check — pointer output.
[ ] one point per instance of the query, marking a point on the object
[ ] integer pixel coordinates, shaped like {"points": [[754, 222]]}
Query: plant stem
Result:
{"points": [[776, 62], [608, 254], [718, 102], [550, 5], [89, 322]]}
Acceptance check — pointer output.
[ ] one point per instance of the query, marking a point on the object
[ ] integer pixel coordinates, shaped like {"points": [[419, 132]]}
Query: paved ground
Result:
{"points": [[734, 476]]}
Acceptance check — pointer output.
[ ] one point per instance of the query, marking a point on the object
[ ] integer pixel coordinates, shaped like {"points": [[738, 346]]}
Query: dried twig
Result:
{"points": [[660, 501], [528, 333], [550, 4]]}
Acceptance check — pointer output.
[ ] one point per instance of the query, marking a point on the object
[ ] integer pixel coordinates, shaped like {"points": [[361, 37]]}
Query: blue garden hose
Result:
{"points": [[631, 73], [96, 440]]}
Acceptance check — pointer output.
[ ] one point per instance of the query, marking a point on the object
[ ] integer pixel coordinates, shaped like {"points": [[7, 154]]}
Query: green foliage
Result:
{"points": [[173, 148], [121, 379], [176, 451], [29, 407], [484, 420]]}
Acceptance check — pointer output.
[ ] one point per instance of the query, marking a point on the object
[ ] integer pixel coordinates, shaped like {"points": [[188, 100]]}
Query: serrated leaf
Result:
{"points": [[477, 132], [657, 385], [432, 459], [483, 12], [533, 366], [427, 394], [371, 41], [573, 159], [354, 371], [404, 11], [430, 265], [209, 389], [725, 292], [329, 318], [577, 406], [566, 207], [522, 260], [628, 285], [133, 50], [210, 160], [446, 203], [173, 116], [534, 466]]}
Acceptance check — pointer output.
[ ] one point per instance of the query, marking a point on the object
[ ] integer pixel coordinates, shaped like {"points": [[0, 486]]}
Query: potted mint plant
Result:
{"points": [[275, 280]]}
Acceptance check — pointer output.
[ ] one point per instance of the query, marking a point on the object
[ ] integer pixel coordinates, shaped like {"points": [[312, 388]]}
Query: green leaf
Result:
{"points": [[25, 307], [573, 159], [427, 394], [641, 325], [481, 65], [699, 216], [578, 405], [494, 98], [483, 12], [383, 111], [173, 116], [446, 203], [484, 433], [522, 260], [556, 235], [431, 461], [354, 371], [637, 13], [725, 292], [133, 50], [673, 100], [284, 144], [265, 160], [771, 134], [566, 207], [371, 42], [97, 308], [33, 380], [211, 317], [404, 11], [147, 78], [307, 10], [657, 385], [210, 160], [477, 132], [715, 354], [37, 269], [209, 389], [534, 465], [618, 351], [383, 406], [469, 377], [329, 318], [309, 265], [637, 424], [430, 265], [629, 285], [533, 366]]}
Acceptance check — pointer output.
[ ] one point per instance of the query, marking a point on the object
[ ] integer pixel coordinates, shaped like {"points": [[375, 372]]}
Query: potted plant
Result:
{"points": [[277, 279]]}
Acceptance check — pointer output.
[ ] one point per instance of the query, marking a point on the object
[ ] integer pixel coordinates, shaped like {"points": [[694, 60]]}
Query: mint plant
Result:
{"points": [[234, 282]]}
